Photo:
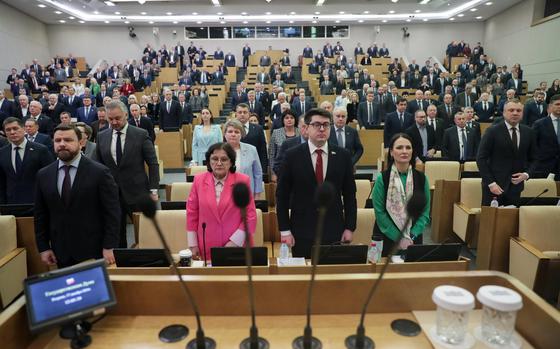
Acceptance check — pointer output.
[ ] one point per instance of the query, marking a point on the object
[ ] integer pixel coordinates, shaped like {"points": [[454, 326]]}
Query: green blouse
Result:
{"points": [[382, 218]]}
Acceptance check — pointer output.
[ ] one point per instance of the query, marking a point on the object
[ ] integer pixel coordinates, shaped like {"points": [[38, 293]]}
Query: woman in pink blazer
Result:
{"points": [[211, 202]]}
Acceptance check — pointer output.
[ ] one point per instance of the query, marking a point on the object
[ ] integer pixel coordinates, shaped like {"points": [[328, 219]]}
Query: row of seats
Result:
{"points": [[13, 262]]}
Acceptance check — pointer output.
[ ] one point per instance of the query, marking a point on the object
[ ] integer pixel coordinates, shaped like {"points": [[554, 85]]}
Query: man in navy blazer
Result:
{"points": [[32, 134], [417, 103], [425, 147], [141, 121], [535, 110], [169, 112], [72, 102], [255, 106], [484, 109], [6, 106], [229, 60], [368, 112], [77, 211], [19, 163], [246, 52], [397, 121], [45, 123], [87, 113], [345, 136], [238, 97], [307, 52], [453, 148], [254, 134], [547, 132]]}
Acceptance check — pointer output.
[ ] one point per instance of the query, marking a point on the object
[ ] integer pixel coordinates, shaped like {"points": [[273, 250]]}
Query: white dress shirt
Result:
{"points": [[325, 155], [114, 142], [73, 170], [21, 152]]}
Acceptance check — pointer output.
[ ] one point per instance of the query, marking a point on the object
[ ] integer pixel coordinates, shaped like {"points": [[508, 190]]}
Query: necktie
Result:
{"points": [[339, 139], [558, 129], [182, 106], [540, 108], [401, 119], [118, 147], [137, 122], [319, 166], [514, 137], [302, 107], [485, 106], [168, 106], [71, 100], [19, 162], [448, 109], [464, 138], [433, 124], [467, 101], [66, 186], [369, 114], [252, 106], [87, 112]]}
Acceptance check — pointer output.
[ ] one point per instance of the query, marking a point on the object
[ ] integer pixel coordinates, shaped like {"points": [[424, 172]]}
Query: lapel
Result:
{"points": [[505, 132], [29, 151], [77, 179], [331, 166], [309, 163], [107, 149], [128, 144], [210, 189]]}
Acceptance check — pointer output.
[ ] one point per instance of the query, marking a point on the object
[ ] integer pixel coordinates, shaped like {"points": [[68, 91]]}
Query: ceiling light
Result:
{"points": [[314, 22], [317, 12], [473, 9], [268, 13], [62, 21], [108, 3], [143, 13], [117, 13], [107, 22], [488, 3], [417, 11], [220, 13], [126, 22], [71, 17], [151, 22], [392, 11], [42, 6], [460, 15], [169, 13], [341, 12], [479, 17], [195, 13], [175, 22], [199, 22], [291, 21], [361, 21], [82, 22], [408, 20], [223, 22], [319, 2], [452, 19], [245, 22], [424, 2], [58, 12], [292, 13], [425, 19], [394, 1], [216, 3], [95, 12], [337, 21], [268, 22], [366, 12], [384, 21], [141, 2], [244, 13]]}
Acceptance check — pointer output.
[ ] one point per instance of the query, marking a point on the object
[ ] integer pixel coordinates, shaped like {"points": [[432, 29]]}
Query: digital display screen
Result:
{"points": [[243, 32], [63, 295], [290, 32]]}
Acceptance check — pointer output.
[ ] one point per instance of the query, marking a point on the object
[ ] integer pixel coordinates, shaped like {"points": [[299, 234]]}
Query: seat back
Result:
{"points": [[364, 226], [363, 190], [539, 225], [8, 235], [447, 170], [470, 166], [198, 169], [258, 237], [471, 192], [535, 186], [180, 191], [173, 226]]}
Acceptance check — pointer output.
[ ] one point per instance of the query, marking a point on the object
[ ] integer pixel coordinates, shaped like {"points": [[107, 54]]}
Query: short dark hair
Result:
{"points": [[12, 119], [288, 112], [242, 105], [221, 146], [63, 127], [390, 159], [401, 99], [554, 98], [316, 111]]}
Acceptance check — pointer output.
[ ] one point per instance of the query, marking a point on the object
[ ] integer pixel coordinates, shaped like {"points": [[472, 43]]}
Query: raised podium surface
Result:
{"points": [[147, 303]]}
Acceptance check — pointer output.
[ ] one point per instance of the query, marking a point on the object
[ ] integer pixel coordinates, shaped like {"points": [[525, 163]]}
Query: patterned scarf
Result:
{"points": [[397, 198]]}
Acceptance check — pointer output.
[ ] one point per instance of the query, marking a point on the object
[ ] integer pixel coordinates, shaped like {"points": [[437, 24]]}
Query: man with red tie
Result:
{"points": [[307, 166]]}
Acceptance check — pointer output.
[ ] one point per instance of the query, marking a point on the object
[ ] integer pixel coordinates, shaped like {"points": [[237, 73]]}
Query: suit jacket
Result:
{"points": [[19, 188], [461, 99], [352, 142], [221, 219], [46, 125], [296, 106], [417, 144], [186, 113], [393, 125], [363, 115], [90, 150], [7, 107], [250, 165], [413, 106], [450, 148], [90, 222], [45, 140], [255, 137], [438, 132], [89, 118], [264, 61], [171, 119], [548, 155], [296, 191], [263, 77], [236, 99], [497, 158], [484, 115], [229, 61], [286, 145], [511, 85], [130, 174], [258, 109], [72, 107], [531, 113], [145, 123], [446, 117]]}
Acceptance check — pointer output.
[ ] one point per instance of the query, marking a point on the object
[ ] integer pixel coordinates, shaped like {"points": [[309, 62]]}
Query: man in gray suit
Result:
{"points": [[125, 150], [89, 149]]}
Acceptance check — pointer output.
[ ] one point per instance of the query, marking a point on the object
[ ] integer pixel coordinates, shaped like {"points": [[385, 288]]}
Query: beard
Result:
{"points": [[67, 155]]}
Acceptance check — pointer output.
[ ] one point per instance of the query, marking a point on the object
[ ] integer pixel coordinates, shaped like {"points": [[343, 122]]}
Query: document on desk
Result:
{"points": [[290, 262]]}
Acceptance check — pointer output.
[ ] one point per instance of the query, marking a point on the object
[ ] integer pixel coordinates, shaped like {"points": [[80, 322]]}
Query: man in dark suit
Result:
{"points": [[506, 157], [180, 52], [305, 168], [368, 112], [76, 206], [459, 143], [262, 96], [46, 125], [484, 109], [246, 52], [32, 134], [169, 112], [6, 107], [229, 60], [141, 121], [185, 110], [218, 54], [72, 102], [307, 52], [345, 136], [535, 110], [100, 124], [447, 110], [547, 132], [397, 121], [515, 83], [53, 109], [423, 136], [255, 106], [19, 163], [417, 103], [254, 134], [302, 104], [239, 96], [436, 124], [127, 161], [472, 125], [87, 113], [466, 98]]}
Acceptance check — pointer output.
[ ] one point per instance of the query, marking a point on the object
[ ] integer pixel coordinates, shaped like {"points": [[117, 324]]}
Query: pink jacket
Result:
{"points": [[223, 219]]}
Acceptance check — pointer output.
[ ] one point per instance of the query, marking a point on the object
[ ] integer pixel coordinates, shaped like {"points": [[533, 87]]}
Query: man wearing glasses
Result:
{"points": [[307, 166]]}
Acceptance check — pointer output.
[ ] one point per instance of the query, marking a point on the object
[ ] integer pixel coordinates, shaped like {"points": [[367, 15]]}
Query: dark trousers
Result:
{"points": [[126, 212], [509, 197], [245, 61]]}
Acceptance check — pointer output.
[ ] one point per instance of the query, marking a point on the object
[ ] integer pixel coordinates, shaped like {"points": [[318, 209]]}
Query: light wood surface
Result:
{"points": [[497, 226], [446, 193], [171, 151]]}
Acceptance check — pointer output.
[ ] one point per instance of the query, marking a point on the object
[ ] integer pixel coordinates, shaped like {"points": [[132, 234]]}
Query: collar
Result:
{"points": [[509, 126], [223, 180], [22, 145], [74, 162], [123, 130], [313, 147], [554, 117]]}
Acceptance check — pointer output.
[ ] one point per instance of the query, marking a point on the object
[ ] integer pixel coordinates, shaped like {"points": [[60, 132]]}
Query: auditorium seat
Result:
{"points": [[470, 166], [180, 191], [364, 226], [447, 170], [363, 190], [197, 169], [173, 225], [535, 186], [160, 163], [13, 263], [466, 212], [534, 256]]}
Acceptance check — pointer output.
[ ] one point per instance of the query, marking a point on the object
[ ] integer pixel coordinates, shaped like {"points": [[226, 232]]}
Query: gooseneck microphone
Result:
{"points": [[536, 197], [241, 199], [148, 208], [414, 209], [323, 197], [204, 243]]}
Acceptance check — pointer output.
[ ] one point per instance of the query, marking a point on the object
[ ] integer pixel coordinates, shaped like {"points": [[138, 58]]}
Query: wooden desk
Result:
{"points": [[497, 226], [171, 150], [280, 305], [371, 140], [446, 193]]}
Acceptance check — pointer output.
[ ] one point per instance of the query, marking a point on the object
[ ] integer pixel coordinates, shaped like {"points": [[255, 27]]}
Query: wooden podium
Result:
{"points": [[148, 303], [497, 226], [171, 149]]}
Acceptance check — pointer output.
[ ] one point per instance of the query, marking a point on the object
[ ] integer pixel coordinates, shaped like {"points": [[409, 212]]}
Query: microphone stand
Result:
{"points": [[204, 243], [201, 341]]}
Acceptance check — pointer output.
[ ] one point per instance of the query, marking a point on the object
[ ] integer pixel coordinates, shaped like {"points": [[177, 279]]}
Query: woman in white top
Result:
{"points": [[204, 136]]}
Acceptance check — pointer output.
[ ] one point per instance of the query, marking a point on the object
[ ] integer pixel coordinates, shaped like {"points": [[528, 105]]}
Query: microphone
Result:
{"points": [[536, 197], [174, 333], [414, 209], [323, 197], [204, 243], [241, 198]]}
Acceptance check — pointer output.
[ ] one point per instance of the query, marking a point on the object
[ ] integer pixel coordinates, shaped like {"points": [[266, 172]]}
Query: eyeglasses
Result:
{"points": [[319, 125], [223, 160]]}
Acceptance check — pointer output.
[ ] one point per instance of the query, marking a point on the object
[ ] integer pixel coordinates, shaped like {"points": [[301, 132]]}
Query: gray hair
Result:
{"points": [[235, 124], [116, 104]]}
